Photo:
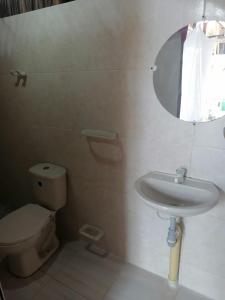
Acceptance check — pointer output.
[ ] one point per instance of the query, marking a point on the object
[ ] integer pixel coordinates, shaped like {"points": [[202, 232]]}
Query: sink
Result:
{"points": [[162, 193]]}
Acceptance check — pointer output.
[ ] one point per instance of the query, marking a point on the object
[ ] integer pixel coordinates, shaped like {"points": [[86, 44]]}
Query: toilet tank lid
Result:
{"points": [[47, 170]]}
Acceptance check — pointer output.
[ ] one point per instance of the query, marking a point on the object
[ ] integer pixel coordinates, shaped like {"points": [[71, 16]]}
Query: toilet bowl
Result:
{"points": [[27, 235]]}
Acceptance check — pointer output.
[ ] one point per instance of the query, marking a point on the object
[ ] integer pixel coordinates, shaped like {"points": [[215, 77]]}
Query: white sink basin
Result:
{"points": [[190, 198]]}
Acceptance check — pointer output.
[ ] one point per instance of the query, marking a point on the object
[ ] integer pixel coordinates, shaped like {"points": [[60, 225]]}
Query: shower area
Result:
{"points": [[9, 8]]}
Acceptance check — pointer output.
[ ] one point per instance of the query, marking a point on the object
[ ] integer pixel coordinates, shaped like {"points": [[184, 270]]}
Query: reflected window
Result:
{"points": [[203, 72], [190, 72], [14, 7]]}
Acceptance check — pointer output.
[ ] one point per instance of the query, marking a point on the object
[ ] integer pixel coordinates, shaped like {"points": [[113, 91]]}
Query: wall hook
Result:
{"points": [[20, 75]]}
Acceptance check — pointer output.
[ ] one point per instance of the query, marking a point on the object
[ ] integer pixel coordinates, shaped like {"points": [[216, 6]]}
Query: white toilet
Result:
{"points": [[27, 235]]}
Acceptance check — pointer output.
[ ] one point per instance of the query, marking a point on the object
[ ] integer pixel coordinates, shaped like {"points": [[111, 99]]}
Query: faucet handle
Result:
{"points": [[181, 171]]}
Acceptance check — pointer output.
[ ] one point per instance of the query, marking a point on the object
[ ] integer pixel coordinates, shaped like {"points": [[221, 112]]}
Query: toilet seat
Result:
{"points": [[23, 223]]}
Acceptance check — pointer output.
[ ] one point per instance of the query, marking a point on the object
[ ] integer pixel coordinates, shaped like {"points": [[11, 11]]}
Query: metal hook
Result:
{"points": [[20, 76]]}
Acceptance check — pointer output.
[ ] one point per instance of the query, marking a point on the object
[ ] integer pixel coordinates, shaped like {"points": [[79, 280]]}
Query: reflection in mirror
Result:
{"points": [[10, 8], [190, 72]]}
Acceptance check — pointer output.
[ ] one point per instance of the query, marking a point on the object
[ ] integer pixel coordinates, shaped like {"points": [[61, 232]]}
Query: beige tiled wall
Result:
{"points": [[88, 65]]}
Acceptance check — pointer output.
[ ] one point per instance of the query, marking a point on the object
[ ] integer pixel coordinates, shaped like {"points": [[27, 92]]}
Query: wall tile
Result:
{"points": [[206, 232], [207, 163], [210, 134], [88, 65], [203, 282]]}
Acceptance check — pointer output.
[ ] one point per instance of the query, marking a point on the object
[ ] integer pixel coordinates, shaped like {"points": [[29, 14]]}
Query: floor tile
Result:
{"points": [[22, 289], [85, 273], [112, 264], [186, 294], [134, 283], [75, 274], [57, 291]]}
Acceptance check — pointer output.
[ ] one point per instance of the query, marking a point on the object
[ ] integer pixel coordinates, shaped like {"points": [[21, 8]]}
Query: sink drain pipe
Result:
{"points": [[174, 240]]}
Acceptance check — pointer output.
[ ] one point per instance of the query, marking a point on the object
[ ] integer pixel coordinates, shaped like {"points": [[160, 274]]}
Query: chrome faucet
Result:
{"points": [[180, 175]]}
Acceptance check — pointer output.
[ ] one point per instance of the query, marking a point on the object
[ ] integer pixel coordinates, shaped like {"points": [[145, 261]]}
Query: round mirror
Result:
{"points": [[189, 72]]}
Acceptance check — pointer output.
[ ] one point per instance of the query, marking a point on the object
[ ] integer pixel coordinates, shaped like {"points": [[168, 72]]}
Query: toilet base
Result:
{"points": [[27, 263]]}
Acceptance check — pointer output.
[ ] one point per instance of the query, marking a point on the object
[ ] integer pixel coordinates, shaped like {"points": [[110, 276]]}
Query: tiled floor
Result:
{"points": [[75, 274]]}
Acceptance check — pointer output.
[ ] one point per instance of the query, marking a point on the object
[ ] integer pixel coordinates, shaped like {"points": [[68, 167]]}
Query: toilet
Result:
{"points": [[27, 235]]}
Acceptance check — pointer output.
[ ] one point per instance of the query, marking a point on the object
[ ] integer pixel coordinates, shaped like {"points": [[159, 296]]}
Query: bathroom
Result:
{"points": [[87, 69]]}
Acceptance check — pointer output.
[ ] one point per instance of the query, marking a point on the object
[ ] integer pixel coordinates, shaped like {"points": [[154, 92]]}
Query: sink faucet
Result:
{"points": [[180, 175]]}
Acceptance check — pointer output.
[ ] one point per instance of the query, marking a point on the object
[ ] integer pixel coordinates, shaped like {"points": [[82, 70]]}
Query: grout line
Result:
{"points": [[67, 286], [210, 147], [41, 287], [80, 281], [188, 262], [192, 147], [146, 69]]}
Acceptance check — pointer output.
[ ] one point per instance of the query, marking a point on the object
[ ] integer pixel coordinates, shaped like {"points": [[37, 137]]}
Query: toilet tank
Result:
{"points": [[49, 185]]}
